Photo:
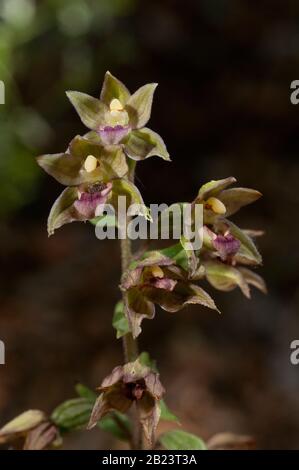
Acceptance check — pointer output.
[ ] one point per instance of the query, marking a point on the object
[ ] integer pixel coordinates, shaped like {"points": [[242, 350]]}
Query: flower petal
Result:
{"points": [[235, 198], [123, 187], [145, 143], [68, 168], [247, 249], [41, 437], [139, 105], [213, 188], [21, 424], [137, 308], [164, 283], [68, 208], [225, 278], [149, 414], [154, 386], [115, 376], [254, 279], [183, 294], [226, 245], [89, 202], [113, 135], [62, 211], [91, 110], [114, 88]]}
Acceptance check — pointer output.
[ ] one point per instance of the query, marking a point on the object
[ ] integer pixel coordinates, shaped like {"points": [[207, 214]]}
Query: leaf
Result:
{"points": [[114, 89], [235, 198], [166, 414], [72, 414], [145, 143], [212, 188], [119, 321], [116, 423], [139, 105], [91, 110], [85, 392], [225, 278], [181, 440]]}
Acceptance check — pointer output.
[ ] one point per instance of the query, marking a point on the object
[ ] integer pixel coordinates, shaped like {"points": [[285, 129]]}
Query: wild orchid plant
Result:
{"points": [[96, 169]]}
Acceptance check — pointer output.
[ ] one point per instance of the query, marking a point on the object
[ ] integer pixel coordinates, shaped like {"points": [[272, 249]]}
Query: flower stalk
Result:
{"points": [[130, 345]]}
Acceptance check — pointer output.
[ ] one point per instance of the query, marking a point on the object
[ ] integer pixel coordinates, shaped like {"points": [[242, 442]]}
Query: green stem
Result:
{"points": [[129, 343]]}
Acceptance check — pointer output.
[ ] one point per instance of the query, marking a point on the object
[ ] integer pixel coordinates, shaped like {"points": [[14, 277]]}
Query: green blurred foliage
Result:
{"points": [[45, 48]]}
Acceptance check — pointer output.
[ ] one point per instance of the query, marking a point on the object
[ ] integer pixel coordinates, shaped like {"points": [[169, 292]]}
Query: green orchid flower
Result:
{"points": [[94, 176], [218, 201], [118, 118], [126, 385], [225, 259], [157, 279]]}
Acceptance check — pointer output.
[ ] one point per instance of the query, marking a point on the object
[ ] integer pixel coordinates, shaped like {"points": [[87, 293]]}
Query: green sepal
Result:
{"points": [[235, 198], [145, 143], [62, 211], [212, 188], [225, 278], [91, 110], [139, 105], [114, 89]]}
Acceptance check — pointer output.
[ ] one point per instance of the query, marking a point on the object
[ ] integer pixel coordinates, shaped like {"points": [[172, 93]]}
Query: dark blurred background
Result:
{"points": [[224, 69]]}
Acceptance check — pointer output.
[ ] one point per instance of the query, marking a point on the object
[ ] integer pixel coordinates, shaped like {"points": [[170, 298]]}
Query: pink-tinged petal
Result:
{"points": [[113, 135], [164, 283], [226, 245], [89, 201], [115, 376]]}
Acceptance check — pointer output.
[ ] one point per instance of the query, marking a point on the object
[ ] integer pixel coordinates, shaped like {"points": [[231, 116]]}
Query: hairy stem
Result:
{"points": [[130, 344]]}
